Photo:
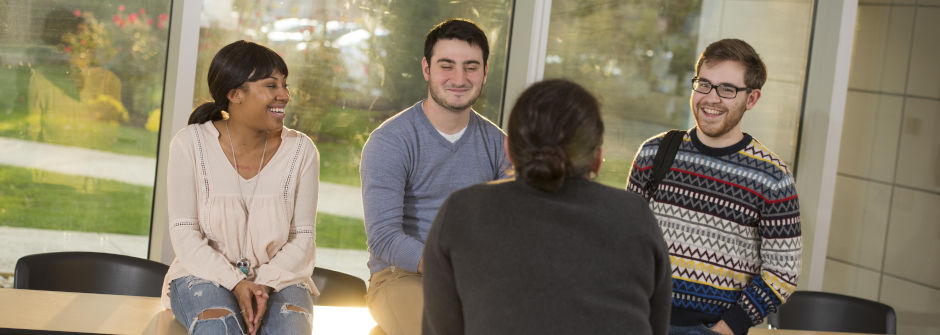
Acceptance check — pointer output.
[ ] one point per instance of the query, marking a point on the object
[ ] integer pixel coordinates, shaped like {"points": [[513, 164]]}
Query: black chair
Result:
{"points": [[90, 272], [823, 311], [338, 289]]}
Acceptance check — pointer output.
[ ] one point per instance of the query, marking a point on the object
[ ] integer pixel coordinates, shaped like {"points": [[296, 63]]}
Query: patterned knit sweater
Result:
{"points": [[731, 220]]}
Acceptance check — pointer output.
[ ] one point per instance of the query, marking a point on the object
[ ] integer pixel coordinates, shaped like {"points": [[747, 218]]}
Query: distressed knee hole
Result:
{"points": [[193, 281], [213, 313], [293, 308]]}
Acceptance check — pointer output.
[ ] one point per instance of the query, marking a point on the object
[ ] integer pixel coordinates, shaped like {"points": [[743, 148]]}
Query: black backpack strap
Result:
{"points": [[663, 160]]}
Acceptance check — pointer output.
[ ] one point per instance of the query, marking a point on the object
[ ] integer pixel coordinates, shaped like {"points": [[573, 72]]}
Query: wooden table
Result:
{"points": [[765, 331], [119, 314]]}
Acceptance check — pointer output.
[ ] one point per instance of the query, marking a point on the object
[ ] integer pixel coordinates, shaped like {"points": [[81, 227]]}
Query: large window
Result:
{"points": [[82, 83], [352, 65], [641, 55]]}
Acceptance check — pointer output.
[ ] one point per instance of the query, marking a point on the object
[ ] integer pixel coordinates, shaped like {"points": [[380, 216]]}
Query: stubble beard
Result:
{"points": [[730, 118], [457, 109]]}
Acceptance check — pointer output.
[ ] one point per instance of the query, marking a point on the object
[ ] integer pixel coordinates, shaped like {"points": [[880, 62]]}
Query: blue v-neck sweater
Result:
{"points": [[408, 169]]}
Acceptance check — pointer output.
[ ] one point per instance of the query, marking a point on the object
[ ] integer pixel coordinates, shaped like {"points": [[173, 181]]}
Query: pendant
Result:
{"points": [[243, 265]]}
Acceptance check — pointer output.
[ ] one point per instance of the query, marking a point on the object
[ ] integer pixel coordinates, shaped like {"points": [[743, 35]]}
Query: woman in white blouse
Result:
{"points": [[242, 194]]}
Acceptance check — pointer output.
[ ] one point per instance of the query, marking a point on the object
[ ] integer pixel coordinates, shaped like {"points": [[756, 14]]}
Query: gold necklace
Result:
{"points": [[243, 264]]}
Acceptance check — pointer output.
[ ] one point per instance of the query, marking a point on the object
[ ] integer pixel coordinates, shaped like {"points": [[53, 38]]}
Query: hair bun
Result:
{"points": [[545, 167]]}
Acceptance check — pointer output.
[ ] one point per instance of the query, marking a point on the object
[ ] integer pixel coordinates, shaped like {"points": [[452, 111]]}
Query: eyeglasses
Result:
{"points": [[726, 91]]}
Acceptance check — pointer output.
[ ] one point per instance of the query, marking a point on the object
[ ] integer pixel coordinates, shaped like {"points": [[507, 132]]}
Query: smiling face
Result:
{"points": [[260, 104], [455, 75], [719, 119]]}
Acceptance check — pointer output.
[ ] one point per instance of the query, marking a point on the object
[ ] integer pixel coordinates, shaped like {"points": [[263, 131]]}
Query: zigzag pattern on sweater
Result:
{"points": [[693, 202], [742, 262], [717, 276], [697, 183], [760, 298], [780, 245], [737, 172], [777, 258], [780, 232], [782, 283], [759, 151], [681, 235], [679, 242], [701, 292], [746, 193], [673, 217], [689, 195], [680, 193]]}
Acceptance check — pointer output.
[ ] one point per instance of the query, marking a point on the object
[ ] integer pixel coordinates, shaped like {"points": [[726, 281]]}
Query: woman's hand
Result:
{"points": [[253, 300], [260, 295], [244, 293]]}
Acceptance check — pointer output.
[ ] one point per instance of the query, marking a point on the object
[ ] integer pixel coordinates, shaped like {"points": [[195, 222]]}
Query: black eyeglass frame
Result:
{"points": [[711, 86]]}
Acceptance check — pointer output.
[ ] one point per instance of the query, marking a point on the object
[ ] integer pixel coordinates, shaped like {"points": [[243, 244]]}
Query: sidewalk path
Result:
{"points": [[336, 199]]}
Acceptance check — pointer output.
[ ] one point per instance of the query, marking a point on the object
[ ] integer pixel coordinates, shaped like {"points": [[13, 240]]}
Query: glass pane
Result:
{"points": [[352, 65], [79, 115], [641, 56]]}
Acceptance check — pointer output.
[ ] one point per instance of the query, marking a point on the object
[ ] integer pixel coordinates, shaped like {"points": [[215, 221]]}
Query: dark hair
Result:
{"points": [[555, 132], [58, 23], [234, 65], [755, 73], [456, 29]]}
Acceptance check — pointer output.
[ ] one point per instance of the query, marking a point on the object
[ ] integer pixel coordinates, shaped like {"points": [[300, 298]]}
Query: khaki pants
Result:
{"points": [[396, 300]]}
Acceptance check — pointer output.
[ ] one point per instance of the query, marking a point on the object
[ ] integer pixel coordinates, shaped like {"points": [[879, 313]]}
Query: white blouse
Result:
{"points": [[207, 217]]}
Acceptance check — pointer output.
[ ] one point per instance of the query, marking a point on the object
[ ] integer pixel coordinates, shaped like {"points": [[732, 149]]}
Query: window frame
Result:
{"points": [[824, 99]]}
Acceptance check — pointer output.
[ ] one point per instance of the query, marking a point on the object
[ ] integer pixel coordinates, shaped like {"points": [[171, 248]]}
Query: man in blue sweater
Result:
{"points": [[415, 159]]}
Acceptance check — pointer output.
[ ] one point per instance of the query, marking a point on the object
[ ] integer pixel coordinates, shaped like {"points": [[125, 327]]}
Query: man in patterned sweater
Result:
{"points": [[727, 206]]}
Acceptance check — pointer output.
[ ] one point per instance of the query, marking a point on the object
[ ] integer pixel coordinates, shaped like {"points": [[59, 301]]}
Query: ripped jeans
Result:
{"points": [[191, 295]]}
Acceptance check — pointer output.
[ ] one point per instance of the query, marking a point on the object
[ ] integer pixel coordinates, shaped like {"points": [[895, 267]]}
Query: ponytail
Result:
{"points": [[209, 111]]}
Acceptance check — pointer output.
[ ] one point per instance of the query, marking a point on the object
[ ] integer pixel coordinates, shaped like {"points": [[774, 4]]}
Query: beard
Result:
{"points": [[729, 119], [457, 107]]}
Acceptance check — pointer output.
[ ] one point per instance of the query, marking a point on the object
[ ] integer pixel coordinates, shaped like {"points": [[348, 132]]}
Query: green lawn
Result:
{"points": [[340, 232], [47, 200]]}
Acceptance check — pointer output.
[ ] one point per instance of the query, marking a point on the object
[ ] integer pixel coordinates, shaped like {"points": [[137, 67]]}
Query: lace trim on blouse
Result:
{"points": [[203, 165], [302, 231], [286, 196], [186, 223]]}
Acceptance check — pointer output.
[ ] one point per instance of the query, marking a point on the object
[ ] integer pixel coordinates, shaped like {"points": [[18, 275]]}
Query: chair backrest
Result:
{"points": [[90, 272], [823, 311], [338, 289]]}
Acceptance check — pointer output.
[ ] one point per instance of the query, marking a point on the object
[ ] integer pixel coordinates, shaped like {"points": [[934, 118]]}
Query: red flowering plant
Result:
{"points": [[132, 44], [85, 44]]}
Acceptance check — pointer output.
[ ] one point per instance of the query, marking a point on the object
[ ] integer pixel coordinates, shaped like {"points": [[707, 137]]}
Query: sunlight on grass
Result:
{"points": [[340, 232], [39, 199]]}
